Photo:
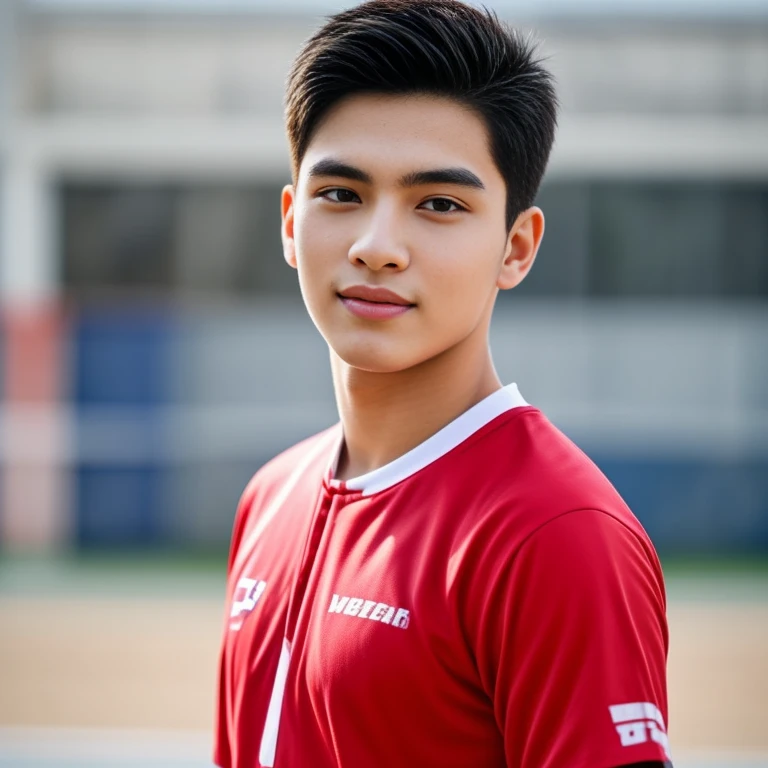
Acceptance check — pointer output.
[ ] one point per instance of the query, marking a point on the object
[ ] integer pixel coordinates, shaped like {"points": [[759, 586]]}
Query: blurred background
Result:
{"points": [[154, 351]]}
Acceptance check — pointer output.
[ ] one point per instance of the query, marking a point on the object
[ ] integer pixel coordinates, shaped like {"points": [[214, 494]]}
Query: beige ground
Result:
{"points": [[140, 664]]}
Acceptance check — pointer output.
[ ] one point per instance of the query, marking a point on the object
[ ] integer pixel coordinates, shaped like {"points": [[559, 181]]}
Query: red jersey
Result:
{"points": [[487, 599]]}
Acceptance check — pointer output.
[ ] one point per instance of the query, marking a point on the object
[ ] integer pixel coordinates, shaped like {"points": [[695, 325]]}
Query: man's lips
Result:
{"points": [[374, 294], [373, 303]]}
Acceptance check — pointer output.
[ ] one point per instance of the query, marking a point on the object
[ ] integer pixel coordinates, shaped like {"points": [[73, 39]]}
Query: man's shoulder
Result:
{"points": [[528, 464], [294, 474], [315, 452], [297, 470]]}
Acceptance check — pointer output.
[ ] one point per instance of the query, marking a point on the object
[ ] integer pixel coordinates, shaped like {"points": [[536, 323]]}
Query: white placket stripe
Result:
{"points": [[268, 746]]}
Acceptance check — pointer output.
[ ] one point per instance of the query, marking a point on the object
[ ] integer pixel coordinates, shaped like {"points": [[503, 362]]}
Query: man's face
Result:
{"points": [[397, 193]]}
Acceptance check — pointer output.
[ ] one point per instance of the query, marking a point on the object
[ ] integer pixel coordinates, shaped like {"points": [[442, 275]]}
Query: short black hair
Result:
{"points": [[437, 47]]}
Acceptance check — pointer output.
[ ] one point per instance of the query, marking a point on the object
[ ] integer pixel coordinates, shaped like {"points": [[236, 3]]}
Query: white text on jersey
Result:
{"points": [[247, 594], [371, 610], [638, 722]]}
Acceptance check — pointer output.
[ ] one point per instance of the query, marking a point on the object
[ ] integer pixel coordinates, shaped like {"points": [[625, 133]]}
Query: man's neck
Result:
{"points": [[385, 415]]}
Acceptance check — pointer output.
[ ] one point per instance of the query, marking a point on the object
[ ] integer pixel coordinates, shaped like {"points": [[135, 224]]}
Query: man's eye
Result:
{"points": [[340, 195], [441, 205]]}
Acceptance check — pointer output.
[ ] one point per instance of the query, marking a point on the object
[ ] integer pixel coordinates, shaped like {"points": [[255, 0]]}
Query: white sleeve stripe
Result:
{"points": [[652, 713], [641, 710]]}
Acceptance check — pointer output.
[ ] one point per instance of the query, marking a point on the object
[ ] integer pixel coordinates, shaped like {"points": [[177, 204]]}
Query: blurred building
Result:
{"points": [[155, 351]]}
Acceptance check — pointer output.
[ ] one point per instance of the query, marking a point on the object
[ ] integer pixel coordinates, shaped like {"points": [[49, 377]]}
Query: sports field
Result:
{"points": [[113, 664]]}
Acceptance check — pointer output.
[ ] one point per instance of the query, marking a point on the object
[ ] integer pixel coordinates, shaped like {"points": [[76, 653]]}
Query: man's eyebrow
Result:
{"points": [[459, 176], [331, 167]]}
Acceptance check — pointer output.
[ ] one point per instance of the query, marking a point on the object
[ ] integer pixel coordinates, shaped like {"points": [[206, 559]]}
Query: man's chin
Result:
{"points": [[370, 359]]}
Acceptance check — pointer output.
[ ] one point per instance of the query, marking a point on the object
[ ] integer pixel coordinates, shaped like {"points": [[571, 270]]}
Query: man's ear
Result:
{"points": [[522, 245], [287, 210]]}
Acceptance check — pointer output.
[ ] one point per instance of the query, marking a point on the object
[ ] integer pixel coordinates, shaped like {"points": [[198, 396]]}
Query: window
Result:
{"points": [[197, 239], [652, 238], [679, 239]]}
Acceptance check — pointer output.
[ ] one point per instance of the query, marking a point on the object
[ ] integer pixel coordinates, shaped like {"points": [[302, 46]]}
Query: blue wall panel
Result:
{"points": [[696, 506], [122, 357], [120, 379], [119, 507]]}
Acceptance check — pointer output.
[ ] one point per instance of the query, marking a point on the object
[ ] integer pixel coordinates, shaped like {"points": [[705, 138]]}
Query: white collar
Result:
{"points": [[450, 436]]}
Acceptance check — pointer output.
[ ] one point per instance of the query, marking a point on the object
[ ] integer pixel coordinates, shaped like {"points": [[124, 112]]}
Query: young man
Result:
{"points": [[442, 579]]}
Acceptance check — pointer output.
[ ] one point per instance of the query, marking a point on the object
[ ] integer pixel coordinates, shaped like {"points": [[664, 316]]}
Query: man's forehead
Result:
{"points": [[399, 106], [393, 136]]}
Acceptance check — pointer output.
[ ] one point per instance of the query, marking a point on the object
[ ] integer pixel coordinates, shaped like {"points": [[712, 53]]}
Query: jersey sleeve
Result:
{"points": [[573, 647], [222, 753]]}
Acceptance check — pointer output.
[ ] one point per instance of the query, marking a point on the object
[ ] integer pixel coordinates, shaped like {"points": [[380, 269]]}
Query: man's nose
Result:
{"points": [[380, 244]]}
